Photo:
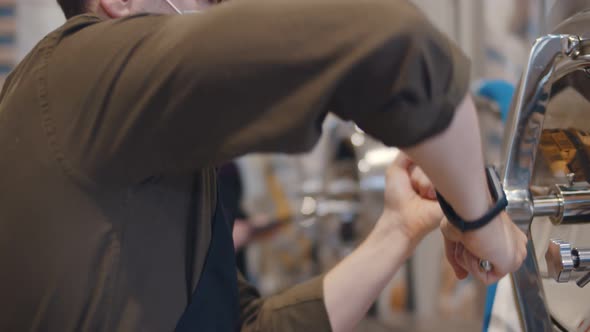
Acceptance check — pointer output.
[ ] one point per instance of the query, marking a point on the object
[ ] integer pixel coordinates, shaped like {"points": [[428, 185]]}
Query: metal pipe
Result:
{"points": [[584, 280], [565, 205], [546, 206], [575, 205], [581, 259]]}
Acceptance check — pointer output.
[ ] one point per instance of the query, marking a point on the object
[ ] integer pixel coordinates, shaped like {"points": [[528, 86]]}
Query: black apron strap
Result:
{"points": [[214, 304]]}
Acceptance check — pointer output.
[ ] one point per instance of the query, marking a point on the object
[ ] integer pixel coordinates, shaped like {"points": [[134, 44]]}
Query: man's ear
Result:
{"points": [[116, 8]]}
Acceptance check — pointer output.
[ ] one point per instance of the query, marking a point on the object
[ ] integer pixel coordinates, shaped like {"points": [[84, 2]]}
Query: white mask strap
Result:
{"points": [[169, 2]]}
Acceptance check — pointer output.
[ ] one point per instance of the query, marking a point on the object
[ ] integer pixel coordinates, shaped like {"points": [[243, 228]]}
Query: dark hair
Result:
{"points": [[72, 7]]}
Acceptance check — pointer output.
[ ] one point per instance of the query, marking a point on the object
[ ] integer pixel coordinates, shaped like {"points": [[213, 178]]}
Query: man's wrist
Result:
{"points": [[478, 209], [496, 195], [476, 203], [392, 235]]}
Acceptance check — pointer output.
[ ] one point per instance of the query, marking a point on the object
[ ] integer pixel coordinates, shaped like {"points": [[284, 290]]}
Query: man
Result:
{"points": [[111, 127]]}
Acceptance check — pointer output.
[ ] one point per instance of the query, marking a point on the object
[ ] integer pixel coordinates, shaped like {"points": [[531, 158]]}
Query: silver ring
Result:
{"points": [[485, 265]]}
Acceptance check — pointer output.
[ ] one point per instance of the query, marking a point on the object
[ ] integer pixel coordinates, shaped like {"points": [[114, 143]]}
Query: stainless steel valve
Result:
{"points": [[565, 263]]}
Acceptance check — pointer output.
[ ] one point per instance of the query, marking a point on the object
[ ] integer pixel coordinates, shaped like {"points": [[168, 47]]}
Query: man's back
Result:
{"points": [[86, 251]]}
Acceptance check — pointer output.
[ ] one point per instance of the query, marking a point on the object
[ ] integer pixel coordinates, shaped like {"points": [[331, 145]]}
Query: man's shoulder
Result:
{"points": [[30, 60], [69, 27], [76, 23]]}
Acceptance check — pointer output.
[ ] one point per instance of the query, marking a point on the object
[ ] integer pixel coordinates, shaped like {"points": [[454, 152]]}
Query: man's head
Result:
{"points": [[121, 8]]}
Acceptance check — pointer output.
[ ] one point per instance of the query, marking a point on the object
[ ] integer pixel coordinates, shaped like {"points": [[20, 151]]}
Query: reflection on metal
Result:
{"points": [[523, 136], [552, 58], [526, 119], [529, 294], [526, 124]]}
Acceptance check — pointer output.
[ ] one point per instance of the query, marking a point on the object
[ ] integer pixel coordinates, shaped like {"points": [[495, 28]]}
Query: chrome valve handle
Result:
{"points": [[563, 261], [560, 262]]}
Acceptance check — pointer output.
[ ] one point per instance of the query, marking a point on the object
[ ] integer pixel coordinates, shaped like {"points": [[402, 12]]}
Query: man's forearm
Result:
{"points": [[353, 285], [454, 162]]}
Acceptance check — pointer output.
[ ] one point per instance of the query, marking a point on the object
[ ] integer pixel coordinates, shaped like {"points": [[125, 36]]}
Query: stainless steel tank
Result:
{"points": [[546, 173]]}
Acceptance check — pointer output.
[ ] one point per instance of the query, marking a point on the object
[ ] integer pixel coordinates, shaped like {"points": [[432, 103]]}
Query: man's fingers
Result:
{"points": [[450, 248], [421, 183], [398, 184], [450, 232], [453, 236], [402, 161], [459, 257], [433, 211]]}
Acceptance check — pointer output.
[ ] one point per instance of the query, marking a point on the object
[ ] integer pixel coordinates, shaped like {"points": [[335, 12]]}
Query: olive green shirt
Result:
{"points": [[110, 131]]}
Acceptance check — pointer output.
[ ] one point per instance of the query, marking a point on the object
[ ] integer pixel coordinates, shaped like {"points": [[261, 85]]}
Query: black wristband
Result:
{"points": [[497, 194]]}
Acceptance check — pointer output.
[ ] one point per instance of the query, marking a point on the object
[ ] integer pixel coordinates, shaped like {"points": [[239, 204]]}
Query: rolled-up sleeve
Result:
{"points": [[300, 308], [408, 82]]}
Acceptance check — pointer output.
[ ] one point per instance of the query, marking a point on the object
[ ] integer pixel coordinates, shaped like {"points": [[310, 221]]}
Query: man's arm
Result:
{"points": [[337, 301], [147, 95], [142, 96], [340, 299], [300, 308], [457, 170]]}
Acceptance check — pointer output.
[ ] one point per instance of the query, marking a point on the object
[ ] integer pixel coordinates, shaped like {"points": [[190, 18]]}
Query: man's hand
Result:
{"points": [[410, 212], [454, 161], [410, 202], [499, 242]]}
